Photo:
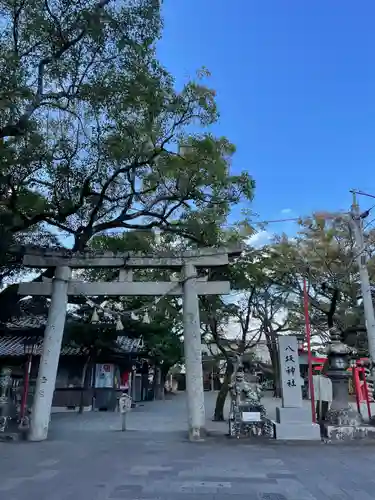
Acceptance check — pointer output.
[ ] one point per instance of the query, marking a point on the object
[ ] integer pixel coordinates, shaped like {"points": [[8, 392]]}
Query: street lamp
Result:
{"points": [[29, 348]]}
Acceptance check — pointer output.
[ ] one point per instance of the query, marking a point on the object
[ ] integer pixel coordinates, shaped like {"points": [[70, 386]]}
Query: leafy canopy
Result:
{"points": [[158, 322], [94, 129], [324, 254], [95, 138]]}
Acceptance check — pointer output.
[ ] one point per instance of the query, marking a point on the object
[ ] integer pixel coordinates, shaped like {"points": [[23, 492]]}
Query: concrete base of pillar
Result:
{"points": [[297, 432], [197, 434], [295, 424], [348, 432]]}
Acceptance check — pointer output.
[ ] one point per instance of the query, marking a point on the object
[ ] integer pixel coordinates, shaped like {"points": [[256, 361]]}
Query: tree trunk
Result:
{"points": [[164, 372], [154, 383], [222, 396], [158, 383], [83, 384]]}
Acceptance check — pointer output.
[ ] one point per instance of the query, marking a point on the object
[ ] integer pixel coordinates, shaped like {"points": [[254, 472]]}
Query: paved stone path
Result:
{"points": [[88, 458]]}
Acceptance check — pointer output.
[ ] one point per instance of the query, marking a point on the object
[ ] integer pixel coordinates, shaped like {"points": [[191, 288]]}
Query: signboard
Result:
{"points": [[125, 403], [290, 374], [251, 416], [104, 376]]}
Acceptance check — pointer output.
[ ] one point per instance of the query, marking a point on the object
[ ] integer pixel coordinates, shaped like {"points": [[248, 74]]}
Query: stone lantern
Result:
{"points": [[341, 414]]}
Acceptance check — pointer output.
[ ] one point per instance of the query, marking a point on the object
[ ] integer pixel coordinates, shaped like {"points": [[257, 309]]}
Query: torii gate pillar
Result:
{"points": [[193, 356], [53, 336]]}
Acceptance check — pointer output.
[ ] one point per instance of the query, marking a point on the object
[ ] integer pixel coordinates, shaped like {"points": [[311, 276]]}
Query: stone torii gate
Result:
{"points": [[61, 286]]}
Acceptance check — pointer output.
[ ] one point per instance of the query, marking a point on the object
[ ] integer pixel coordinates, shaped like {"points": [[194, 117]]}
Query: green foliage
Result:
{"points": [[95, 138], [95, 130], [324, 254], [11, 253], [92, 339], [161, 333], [164, 346], [261, 305], [160, 343]]}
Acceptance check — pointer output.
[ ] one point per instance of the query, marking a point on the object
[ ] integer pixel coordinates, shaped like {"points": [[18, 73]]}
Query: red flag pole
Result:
{"points": [[365, 388], [309, 353], [357, 388]]}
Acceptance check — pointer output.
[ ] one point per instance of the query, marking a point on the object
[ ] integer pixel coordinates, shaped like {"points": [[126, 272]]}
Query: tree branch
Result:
{"points": [[20, 127]]}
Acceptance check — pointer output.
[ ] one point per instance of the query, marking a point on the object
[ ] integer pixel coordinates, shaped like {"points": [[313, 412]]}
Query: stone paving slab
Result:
{"points": [[113, 468], [100, 463]]}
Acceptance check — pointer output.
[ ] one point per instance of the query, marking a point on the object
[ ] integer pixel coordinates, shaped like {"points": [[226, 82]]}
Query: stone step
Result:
{"points": [[295, 431]]}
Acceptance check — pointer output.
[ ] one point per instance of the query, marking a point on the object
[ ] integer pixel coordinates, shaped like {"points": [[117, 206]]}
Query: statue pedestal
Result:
{"points": [[247, 414], [9, 430], [295, 424], [249, 420], [348, 432]]}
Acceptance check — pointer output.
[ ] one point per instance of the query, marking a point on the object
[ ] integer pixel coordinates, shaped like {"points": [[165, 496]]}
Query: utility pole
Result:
{"points": [[356, 219]]}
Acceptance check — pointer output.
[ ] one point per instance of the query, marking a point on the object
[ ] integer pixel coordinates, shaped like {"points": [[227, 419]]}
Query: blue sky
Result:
{"points": [[295, 81]]}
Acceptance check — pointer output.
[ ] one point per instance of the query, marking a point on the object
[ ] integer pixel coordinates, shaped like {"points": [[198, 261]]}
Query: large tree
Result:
{"points": [[159, 319], [237, 317], [92, 125], [262, 305], [324, 254]]}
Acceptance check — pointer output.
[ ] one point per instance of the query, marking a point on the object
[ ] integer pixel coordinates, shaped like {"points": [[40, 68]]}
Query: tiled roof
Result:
{"points": [[30, 314], [14, 346], [26, 323]]}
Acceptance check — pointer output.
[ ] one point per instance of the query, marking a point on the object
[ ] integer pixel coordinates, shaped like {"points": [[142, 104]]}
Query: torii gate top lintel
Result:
{"points": [[206, 257], [188, 262]]}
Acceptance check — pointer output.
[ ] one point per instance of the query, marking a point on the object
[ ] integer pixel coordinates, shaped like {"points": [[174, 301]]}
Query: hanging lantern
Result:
{"points": [[146, 318], [95, 317], [119, 325]]}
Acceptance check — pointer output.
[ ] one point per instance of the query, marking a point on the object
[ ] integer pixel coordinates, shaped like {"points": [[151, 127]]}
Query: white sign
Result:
{"points": [[125, 403], [290, 374], [251, 416]]}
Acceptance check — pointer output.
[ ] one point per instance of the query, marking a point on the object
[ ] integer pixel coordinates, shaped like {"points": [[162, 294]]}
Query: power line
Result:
{"points": [[292, 219], [361, 193]]}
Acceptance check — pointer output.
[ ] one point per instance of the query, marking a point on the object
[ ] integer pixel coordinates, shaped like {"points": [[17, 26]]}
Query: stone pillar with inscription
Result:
{"points": [[293, 420]]}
